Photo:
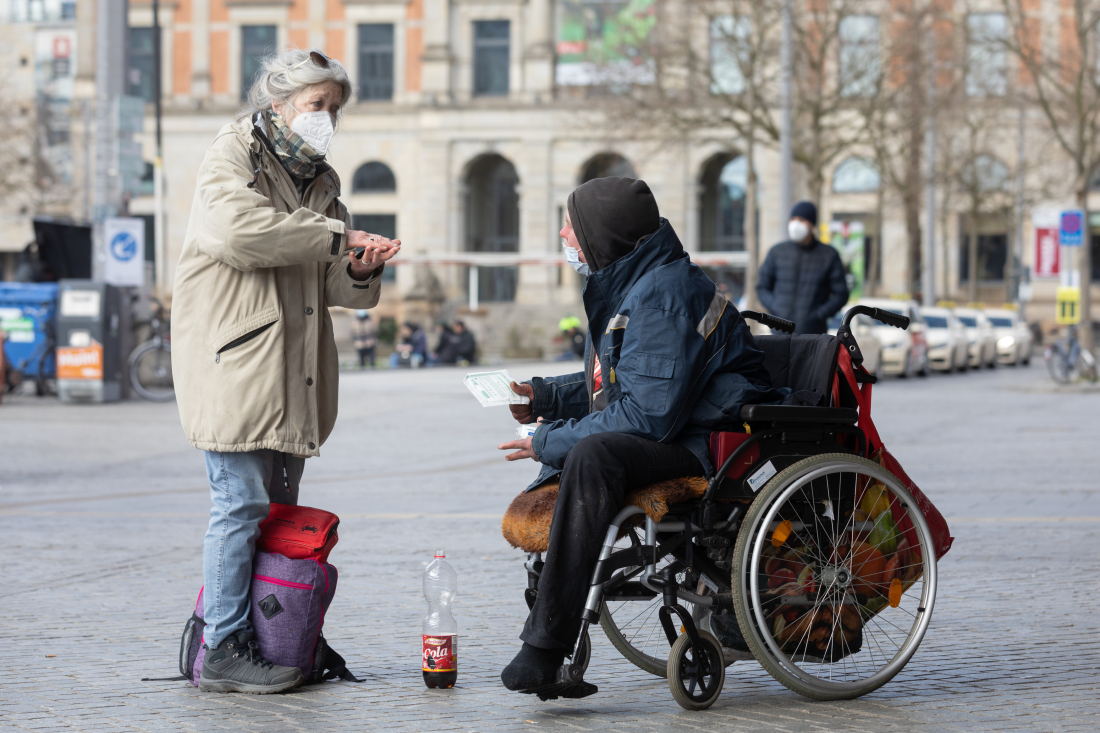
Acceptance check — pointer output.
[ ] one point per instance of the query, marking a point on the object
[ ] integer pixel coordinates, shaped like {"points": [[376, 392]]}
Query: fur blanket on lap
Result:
{"points": [[526, 524]]}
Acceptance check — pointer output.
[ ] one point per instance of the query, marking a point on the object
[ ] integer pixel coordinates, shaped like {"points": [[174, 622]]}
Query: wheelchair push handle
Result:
{"points": [[779, 324], [879, 314]]}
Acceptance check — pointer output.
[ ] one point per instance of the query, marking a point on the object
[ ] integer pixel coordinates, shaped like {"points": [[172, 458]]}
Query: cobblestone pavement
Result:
{"points": [[102, 513]]}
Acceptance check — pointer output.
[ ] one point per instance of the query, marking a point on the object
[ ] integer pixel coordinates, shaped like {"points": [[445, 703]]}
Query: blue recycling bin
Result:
{"points": [[28, 316]]}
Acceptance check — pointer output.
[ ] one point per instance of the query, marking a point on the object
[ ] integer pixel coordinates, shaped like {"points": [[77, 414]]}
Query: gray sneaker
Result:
{"points": [[236, 665]]}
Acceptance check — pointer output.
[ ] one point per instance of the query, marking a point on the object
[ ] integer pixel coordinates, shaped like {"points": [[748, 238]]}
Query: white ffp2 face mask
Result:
{"points": [[315, 128], [797, 230], [573, 257]]}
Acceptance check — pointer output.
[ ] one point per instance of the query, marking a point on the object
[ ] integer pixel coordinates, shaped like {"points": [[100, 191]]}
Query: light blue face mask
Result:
{"points": [[573, 257]]}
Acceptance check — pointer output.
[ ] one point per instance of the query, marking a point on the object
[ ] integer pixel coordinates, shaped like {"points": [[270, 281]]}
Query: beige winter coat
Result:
{"points": [[253, 356]]}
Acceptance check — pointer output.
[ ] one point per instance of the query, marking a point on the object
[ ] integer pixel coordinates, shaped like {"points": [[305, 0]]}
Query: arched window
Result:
{"points": [[856, 175], [988, 173], [373, 177], [606, 165], [492, 222], [722, 210]]}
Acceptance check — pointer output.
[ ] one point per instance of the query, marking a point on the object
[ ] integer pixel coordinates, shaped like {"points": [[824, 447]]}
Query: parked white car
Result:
{"points": [[981, 342], [863, 330], [904, 353], [1012, 334], [948, 349]]}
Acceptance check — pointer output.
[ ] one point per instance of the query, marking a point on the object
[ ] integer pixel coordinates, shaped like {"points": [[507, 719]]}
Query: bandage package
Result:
{"points": [[494, 388]]}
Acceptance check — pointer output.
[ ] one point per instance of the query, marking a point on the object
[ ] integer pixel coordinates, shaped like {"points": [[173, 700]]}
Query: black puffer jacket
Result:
{"points": [[803, 284]]}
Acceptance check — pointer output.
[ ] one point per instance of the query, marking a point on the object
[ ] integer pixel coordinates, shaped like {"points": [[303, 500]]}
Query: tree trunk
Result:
{"points": [[972, 255], [874, 252], [751, 246]]}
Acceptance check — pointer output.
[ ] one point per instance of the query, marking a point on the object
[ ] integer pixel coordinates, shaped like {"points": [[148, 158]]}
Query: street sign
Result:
{"points": [[124, 240], [1072, 228], [1069, 306], [1045, 223]]}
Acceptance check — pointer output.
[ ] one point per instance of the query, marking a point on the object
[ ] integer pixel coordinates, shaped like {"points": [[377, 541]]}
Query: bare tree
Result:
{"points": [[714, 67], [1063, 83]]}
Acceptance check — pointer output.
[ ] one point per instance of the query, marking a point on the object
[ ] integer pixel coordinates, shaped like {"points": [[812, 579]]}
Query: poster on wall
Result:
{"points": [[604, 42], [848, 238], [1046, 260]]}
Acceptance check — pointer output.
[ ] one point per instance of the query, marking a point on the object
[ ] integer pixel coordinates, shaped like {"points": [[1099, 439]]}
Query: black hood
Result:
{"points": [[610, 216]]}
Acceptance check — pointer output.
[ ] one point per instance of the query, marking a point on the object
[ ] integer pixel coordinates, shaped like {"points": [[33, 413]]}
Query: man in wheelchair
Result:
{"points": [[668, 361]]}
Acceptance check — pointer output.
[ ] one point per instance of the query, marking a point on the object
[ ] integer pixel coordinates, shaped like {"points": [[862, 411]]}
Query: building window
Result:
{"points": [[992, 255], [376, 61], [491, 57], [142, 65], [722, 210], [492, 223], [382, 224], [986, 174], [729, 53], [373, 177], [986, 55], [257, 41], [859, 55], [856, 175]]}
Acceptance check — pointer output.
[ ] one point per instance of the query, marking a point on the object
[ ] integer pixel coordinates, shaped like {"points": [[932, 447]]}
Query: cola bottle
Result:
{"points": [[440, 663]]}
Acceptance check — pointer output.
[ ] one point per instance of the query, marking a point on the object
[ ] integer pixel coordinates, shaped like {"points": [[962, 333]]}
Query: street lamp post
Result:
{"points": [[161, 269], [786, 149]]}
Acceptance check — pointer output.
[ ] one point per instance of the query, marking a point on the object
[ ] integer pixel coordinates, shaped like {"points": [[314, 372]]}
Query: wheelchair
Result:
{"points": [[802, 552]]}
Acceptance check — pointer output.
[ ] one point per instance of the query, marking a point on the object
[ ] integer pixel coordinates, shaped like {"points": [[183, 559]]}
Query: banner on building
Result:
{"points": [[55, 75], [124, 240], [605, 42], [1046, 261], [849, 239]]}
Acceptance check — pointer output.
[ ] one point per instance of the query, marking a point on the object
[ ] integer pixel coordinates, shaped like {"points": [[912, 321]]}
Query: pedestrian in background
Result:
{"points": [[802, 279], [268, 249], [412, 347], [364, 334]]}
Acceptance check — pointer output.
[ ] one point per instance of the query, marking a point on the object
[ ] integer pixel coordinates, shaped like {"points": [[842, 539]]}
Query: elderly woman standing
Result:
{"points": [[268, 250]]}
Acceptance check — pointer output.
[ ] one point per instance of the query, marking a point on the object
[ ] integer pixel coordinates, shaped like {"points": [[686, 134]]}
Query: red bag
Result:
{"points": [[298, 532], [877, 452]]}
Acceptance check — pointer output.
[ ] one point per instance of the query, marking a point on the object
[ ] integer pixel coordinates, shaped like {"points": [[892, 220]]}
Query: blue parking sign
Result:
{"points": [[1070, 232]]}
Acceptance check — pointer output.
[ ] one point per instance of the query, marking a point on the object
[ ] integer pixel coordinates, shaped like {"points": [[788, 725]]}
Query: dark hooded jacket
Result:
{"points": [[803, 284], [677, 359]]}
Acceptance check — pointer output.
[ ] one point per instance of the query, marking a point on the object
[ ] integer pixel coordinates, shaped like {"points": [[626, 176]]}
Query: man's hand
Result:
{"points": [[376, 251], [522, 449], [522, 413]]}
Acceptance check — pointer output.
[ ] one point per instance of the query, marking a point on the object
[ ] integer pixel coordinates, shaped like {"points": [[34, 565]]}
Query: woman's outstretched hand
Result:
{"points": [[376, 251]]}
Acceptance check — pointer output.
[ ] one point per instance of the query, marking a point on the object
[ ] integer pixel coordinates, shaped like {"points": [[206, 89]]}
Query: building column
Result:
{"points": [[437, 58], [538, 51], [200, 50]]}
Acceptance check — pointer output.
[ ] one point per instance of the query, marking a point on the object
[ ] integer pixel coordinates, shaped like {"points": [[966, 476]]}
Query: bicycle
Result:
{"points": [[151, 362], [1067, 361]]}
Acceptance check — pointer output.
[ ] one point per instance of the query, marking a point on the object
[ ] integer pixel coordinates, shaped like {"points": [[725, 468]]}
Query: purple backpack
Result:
{"points": [[288, 603]]}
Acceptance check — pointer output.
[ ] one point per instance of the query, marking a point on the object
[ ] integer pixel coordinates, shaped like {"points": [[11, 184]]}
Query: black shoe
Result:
{"points": [[532, 667], [236, 665]]}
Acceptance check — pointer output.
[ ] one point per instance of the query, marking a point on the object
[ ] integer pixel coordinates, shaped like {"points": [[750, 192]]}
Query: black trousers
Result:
{"points": [[599, 472]]}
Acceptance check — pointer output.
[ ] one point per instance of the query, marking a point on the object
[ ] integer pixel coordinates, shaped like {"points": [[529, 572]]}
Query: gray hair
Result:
{"points": [[283, 75]]}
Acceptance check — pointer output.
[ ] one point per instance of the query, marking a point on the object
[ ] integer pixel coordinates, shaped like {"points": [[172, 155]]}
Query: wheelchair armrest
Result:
{"points": [[799, 413]]}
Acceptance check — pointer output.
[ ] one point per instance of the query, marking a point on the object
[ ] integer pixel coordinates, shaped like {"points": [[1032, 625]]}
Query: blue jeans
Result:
{"points": [[242, 488]]}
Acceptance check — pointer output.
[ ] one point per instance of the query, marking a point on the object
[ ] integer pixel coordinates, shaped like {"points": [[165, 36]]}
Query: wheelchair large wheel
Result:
{"points": [[834, 577], [630, 620]]}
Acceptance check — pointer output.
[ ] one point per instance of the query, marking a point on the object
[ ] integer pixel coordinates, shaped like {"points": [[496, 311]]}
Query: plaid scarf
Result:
{"points": [[293, 152]]}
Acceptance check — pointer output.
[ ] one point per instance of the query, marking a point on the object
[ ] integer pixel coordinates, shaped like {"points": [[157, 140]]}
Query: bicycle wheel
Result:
{"points": [[151, 371], [1057, 365], [629, 617], [834, 577]]}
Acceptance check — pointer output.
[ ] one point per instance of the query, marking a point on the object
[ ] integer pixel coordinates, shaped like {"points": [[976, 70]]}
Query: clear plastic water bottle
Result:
{"points": [[440, 664]]}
